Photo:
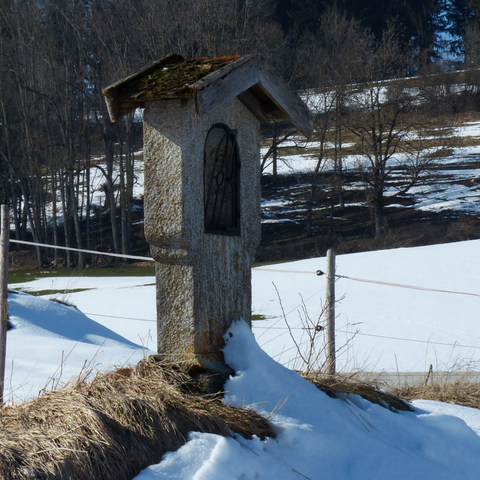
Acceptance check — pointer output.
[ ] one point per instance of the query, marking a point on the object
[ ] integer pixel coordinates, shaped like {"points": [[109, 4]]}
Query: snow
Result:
{"points": [[318, 437], [451, 183], [51, 343], [379, 327], [468, 129], [130, 299]]}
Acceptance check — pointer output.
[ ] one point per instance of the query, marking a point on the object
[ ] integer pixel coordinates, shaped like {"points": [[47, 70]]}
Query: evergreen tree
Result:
{"points": [[457, 14]]}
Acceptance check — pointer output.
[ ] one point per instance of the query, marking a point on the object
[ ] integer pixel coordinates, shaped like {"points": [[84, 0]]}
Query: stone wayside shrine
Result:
{"points": [[202, 189]]}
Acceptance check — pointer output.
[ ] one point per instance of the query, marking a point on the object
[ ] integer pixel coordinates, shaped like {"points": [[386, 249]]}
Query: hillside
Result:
{"points": [[441, 207], [381, 326]]}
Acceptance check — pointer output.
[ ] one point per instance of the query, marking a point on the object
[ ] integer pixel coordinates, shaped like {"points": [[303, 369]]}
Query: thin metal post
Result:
{"points": [[330, 304], [4, 240]]}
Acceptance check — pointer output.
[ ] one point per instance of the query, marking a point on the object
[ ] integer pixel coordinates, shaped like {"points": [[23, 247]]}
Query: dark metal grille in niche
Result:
{"points": [[221, 181]]}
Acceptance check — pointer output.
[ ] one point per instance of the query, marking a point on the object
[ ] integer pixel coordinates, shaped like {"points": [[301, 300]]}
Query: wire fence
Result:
{"points": [[275, 325], [261, 269], [82, 250], [410, 287], [375, 282]]}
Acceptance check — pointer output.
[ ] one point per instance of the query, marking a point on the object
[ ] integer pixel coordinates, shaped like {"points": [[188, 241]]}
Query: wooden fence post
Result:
{"points": [[4, 240], [330, 309]]}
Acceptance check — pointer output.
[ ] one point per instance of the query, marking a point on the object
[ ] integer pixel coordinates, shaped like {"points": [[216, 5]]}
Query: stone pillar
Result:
{"points": [[203, 279]]}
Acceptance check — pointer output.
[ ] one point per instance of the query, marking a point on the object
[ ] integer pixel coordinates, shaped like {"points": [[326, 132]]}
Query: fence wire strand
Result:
{"points": [[273, 270], [82, 250]]}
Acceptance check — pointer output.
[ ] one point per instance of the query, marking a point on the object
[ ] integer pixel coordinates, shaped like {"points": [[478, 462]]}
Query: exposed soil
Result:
{"points": [[349, 229]]}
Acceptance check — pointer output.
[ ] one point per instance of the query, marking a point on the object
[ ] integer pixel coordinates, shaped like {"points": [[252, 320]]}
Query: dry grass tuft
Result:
{"points": [[338, 386], [459, 393], [114, 426]]}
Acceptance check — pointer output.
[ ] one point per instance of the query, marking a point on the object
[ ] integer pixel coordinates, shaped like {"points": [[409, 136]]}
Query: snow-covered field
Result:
{"points": [[378, 326]]}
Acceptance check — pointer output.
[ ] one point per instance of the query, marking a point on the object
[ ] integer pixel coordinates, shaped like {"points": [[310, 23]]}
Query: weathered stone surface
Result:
{"points": [[203, 279]]}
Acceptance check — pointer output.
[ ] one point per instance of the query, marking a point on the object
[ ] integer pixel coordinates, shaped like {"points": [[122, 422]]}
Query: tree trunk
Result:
{"points": [[123, 203], [314, 184], [338, 152], [16, 210], [73, 207], [54, 217], [89, 203], [66, 221], [110, 193], [379, 216], [33, 228], [275, 153], [130, 176]]}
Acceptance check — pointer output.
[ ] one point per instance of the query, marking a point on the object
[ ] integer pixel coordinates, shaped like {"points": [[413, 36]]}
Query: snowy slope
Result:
{"points": [[380, 327], [51, 343], [318, 437], [324, 438]]}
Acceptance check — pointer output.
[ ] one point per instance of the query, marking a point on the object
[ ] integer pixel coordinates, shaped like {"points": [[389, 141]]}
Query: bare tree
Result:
{"points": [[56, 56], [331, 61], [388, 126]]}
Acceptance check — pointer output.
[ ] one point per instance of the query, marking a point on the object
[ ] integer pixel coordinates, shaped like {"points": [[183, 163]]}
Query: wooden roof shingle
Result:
{"points": [[211, 82]]}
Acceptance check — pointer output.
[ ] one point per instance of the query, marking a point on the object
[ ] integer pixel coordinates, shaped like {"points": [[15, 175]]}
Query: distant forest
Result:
{"points": [[57, 55]]}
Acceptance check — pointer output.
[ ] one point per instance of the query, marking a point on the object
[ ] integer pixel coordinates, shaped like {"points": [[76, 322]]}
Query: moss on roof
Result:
{"points": [[246, 78], [174, 77]]}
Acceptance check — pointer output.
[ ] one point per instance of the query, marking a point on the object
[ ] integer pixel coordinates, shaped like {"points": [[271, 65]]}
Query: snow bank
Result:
{"points": [[51, 343], [320, 437]]}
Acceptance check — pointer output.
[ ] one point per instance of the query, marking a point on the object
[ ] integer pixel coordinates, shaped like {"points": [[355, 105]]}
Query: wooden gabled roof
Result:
{"points": [[211, 82]]}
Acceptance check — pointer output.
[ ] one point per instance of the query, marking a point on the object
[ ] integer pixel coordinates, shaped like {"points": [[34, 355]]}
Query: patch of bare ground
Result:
{"points": [[405, 228], [115, 425], [289, 233]]}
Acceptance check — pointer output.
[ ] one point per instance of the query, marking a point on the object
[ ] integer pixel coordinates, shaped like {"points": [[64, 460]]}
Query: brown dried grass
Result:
{"points": [[113, 426], [460, 393], [338, 387]]}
